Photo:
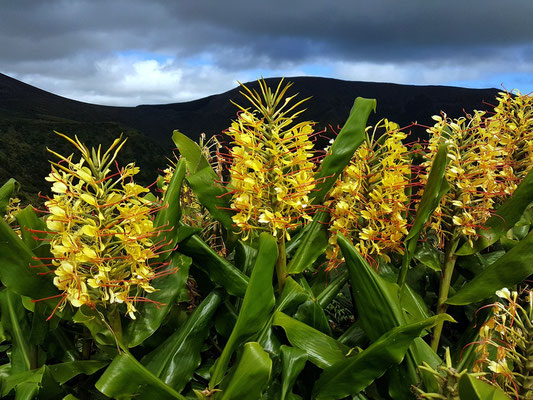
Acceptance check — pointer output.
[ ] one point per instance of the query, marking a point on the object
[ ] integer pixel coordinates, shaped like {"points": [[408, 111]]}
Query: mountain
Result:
{"points": [[28, 117]]}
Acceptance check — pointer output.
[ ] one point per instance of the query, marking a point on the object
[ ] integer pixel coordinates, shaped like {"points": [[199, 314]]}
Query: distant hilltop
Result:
{"points": [[29, 115]]}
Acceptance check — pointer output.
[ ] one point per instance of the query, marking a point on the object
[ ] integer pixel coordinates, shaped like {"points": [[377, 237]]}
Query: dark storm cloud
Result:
{"points": [[66, 40], [280, 30]]}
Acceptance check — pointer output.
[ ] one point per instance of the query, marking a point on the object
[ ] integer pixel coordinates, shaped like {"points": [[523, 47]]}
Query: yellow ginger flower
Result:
{"points": [[102, 230], [12, 209], [271, 171], [368, 203], [509, 334], [488, 157]]}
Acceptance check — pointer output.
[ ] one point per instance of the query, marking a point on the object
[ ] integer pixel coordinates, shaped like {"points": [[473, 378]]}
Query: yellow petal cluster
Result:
{"points": [[271, 170], [368, 203], [488, 157], [12, 209], [503, 350], [102, 230]]}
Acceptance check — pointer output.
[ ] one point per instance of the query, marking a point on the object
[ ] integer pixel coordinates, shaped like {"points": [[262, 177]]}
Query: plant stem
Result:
{"points": [[449, 263], [281, 263]]}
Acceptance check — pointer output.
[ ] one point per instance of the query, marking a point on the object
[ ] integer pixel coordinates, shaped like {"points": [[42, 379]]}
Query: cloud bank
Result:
{"points": [[130, 52]]}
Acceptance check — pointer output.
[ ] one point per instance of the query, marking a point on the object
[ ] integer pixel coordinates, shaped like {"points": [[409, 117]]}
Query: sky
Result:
{"points": [[130, 52]]}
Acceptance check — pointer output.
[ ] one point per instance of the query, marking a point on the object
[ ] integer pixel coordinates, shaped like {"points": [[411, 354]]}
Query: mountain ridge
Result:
{"points": [[28, 116]]}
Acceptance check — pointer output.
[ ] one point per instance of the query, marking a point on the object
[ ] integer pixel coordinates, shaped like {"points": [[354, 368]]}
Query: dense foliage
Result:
{"points": [[269, 269]]}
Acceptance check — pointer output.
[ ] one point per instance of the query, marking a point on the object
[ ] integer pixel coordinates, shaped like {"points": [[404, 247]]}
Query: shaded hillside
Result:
{"points": [[28, 116]]}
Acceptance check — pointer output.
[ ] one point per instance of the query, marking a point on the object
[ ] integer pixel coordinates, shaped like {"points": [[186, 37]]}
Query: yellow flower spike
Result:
{"points": [[102, 230], [368, 201], [488, 157], [271, 175]]}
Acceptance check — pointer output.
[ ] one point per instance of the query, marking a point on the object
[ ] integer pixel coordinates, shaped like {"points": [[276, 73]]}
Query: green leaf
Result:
{"points": [[350, 376], [504, 218], [245, 256], [413, 304], [311, 313], [218, 269], [314, 239], [435, 188], [293, 361], [14, 321], [312, 244], [510, 269], [32, 229], [168, 290], [354, 336], [64, 372], [250, 376], [16, 273], [190, 151], [29, 384], [257, 304], [376, 299], [332, 289], [121, 380], [379, 308], [204, 181], [7, 191], [429, 256], [471, 388], [169, 215], [93, 320], [175, 360], [323, 350], [346, 143]]}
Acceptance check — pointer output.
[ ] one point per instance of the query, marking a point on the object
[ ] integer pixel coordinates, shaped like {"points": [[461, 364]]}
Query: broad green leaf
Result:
{"points": [[323, 350], [7, 191], [293, 361], [32, 229], [435, 188], [413, 304], [14, 321], [377, 300], [213, 196], [471, 388], [20, 270], [354, 374], [93, 320], [346, 143], [504, 218], [191, 152], [250, 376], [312, 244], [291, 298], [510, 269], [64, 372], [257, 304], [168, 216], [204, 181], [121, 380], [168, 290], [175, 360], [354, 336], [311, 313], [429, 256], [36, 383], [245, 256], [379, 308], [314, 239], [332, 289], [219, 270]]}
